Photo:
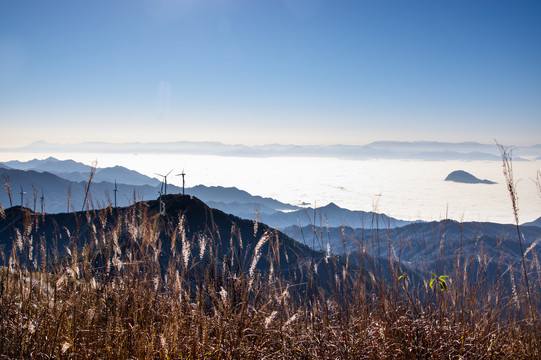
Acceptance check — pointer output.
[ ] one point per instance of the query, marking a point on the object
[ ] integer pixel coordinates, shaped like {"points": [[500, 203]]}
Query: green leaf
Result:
{"points": [[443, 285]]}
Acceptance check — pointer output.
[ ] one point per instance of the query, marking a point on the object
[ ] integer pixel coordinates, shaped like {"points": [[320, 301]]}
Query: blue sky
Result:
{"points": [[258, 72]]}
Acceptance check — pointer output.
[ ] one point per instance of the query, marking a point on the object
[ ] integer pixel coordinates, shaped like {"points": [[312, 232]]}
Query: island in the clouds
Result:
{"points": [[462, 176]]}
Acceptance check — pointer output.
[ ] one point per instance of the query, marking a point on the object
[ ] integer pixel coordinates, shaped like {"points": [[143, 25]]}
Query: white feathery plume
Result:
{"points": [[60, 282], [240, 239], [291, 320], [531, 246], [202, 245], [116, 247], [257, 255], [269, 319], [30, 247], [185, 245], [231, 245], [328, 255], [271, 273], [513, 286], [65, 347], [116, 262], [223, 294], [256, 223], [28, 228], [19, 240]]}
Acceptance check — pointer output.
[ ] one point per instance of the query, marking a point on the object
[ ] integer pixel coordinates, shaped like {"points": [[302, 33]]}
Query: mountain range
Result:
{"points": [[59, 180], [418, 240], [419, 150], [77, 172]]}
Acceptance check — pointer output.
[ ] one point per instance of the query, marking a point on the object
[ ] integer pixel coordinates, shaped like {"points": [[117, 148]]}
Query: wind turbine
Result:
{"points": [[42, 200], [165, 179], [183, 183], [22, 195]]}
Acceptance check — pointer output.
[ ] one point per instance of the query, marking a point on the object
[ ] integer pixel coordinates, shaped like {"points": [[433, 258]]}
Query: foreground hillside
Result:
{"points": [[193, 282], [185, 228]]}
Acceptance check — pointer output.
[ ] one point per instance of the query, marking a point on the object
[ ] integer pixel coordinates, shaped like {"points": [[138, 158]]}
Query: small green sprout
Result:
{"points": [[440, 280]]}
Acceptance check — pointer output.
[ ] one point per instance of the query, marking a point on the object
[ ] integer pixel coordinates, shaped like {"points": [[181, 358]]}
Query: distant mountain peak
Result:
{"points": [[40, 142], [464, 177], [331, 206]]}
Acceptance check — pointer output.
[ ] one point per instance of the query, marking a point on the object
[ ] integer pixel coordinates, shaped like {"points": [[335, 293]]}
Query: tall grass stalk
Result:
{"points": [[87, 187], [507, 160]]}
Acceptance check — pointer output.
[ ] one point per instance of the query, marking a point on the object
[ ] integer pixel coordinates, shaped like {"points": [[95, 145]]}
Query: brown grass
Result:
{"points": [[129, 308]]}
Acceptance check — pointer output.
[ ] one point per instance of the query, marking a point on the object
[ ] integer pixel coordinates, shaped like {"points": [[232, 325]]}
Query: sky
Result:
{"points": [[261, 72]]}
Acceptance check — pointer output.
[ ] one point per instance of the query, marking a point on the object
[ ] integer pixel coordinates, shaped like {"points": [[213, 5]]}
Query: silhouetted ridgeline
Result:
{"points": [[187, 229]]}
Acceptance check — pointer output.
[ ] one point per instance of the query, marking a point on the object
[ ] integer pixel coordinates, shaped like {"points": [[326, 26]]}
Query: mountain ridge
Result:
{"points": [[418, 150], [210, 233], [229, 199]]}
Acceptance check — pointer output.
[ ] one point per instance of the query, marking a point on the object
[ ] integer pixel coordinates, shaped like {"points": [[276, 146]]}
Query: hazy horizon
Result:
{"points": [[494, 142], [413, 150]]}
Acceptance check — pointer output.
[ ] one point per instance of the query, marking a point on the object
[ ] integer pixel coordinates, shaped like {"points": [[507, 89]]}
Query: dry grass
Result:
{"points": [[117, 301]]}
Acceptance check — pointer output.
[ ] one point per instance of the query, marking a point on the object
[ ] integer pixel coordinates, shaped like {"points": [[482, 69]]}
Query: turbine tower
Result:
{"points": [[160, 199], [22, 195], [183, 183], [165, 179], [42, 200], [115, 190]]}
